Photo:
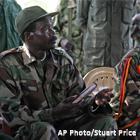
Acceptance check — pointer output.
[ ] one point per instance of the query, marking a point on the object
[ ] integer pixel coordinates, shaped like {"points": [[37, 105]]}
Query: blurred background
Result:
{"points": [[49, 5]]}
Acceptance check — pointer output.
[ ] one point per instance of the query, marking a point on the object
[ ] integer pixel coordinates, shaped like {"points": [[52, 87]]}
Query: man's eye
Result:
{"points": [[43, 29], [47, 30]]}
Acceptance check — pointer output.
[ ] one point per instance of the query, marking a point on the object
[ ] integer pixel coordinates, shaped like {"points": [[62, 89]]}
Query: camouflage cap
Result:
{"points": [[28, 16]]}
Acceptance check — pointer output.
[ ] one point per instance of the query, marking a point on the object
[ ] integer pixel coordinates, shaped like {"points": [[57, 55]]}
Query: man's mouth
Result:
{"points": [[53, 40]]}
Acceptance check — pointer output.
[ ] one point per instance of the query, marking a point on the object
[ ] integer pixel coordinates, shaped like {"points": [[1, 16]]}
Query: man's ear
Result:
{"points": [[28, 35]]}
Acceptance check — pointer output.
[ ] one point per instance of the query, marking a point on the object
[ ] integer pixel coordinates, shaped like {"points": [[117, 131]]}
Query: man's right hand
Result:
{"points": [[67, 109]]}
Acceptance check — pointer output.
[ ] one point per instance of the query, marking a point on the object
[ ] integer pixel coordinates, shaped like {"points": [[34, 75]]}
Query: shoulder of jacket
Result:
{"points": [[9, 52], [10, 57]]}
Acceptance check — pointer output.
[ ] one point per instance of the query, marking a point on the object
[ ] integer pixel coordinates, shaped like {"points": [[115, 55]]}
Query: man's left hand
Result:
{"points": [[104, 96]]}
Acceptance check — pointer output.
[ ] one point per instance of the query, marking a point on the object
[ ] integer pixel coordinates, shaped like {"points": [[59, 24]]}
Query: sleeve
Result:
{"points": [[119, 70], [131, 88], [82, 13], [11, 108], [115, 103], [75, 82]]}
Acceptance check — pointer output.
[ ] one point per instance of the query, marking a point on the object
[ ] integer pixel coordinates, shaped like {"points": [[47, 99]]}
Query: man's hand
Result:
{"points": [[66, 44], [104, 96], [67, 109]]}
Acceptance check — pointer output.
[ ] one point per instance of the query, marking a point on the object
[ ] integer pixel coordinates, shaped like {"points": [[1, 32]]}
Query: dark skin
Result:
{"points": [[43, 39]]}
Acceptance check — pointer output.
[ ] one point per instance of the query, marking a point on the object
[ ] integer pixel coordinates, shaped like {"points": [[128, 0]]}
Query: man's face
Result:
{"points": [[44, 36]]}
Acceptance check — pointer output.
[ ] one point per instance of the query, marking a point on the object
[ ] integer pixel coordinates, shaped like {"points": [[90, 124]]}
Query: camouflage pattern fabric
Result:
{"points": [[9, 37], [138, 6], [37, 131], [131, 106], [66, 28], [97, 121], [31, 87], [106, 25], [28, 95]]}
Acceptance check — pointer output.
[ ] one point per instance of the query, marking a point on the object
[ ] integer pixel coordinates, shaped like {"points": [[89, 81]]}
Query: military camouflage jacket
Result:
{"points": [[30, 88], [106, 24], [131, 104], [9, 38]]}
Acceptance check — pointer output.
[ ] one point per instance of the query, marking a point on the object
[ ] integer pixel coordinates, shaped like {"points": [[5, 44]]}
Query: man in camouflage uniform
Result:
{"points": [[105, 24], [38, 84], [127, 89], [9, 38], [66, 28]]}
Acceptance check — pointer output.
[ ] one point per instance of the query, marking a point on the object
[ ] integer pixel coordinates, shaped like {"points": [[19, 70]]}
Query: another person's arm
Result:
{"points": [[131, 88]]}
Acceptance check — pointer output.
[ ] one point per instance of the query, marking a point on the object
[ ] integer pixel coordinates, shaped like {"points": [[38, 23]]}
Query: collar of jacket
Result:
{"points": [[28, 58]]}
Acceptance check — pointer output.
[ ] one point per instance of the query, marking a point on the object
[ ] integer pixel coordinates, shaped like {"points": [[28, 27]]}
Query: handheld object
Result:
{"points": [[85, 93]]}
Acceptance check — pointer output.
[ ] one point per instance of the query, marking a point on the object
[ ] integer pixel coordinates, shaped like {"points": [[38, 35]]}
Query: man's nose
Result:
{"points": [[51, 31]]}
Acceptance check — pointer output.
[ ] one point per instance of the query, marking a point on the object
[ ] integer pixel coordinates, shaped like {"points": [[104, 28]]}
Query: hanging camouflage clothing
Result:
{"points": [[66, 28], [138, 6], [8, 35], [106, 25]]}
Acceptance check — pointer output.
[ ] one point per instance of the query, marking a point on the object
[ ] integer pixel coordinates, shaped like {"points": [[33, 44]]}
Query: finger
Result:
{"points": [[102, 95], [74, 106], [103, 100], [111, 94], [70, 99], [82, 104], [106, 99], [69, 106], [98, 102], [107, 94], [105, 90]]}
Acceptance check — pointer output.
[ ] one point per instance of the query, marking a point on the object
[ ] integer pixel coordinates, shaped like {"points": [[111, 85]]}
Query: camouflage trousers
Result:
{"points": [[36, 131], [88, 121]]}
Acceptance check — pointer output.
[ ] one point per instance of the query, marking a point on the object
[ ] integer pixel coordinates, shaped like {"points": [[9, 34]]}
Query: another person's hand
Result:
{"points": [[66, 44], [104, 96]]}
